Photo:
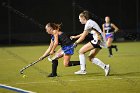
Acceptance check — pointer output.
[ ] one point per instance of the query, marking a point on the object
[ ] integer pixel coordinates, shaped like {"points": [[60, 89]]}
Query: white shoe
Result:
{"points": [[107, 70], [110, 56], [80, 72]]}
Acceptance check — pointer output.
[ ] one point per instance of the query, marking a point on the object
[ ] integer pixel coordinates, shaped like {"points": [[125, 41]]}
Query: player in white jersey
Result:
{"points": [[94, 46]]}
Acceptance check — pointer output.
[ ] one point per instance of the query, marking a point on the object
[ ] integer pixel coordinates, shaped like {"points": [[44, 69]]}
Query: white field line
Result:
{"points": [[15, 89], [80, 80]]}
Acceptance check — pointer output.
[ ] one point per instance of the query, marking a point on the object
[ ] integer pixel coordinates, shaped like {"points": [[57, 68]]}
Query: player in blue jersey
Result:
{"points": [[59, 38], [109, 29]]}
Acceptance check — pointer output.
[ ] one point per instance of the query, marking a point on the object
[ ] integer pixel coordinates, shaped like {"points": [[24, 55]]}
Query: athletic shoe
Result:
{"points": [[107, 70], [110, 55], [52, 75], [80, 72]]}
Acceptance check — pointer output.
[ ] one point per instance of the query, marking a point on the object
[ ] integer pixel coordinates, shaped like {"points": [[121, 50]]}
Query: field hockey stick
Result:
{"points": [[31, 64]]}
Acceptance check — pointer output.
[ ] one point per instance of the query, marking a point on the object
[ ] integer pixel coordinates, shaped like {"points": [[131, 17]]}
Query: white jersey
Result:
{"points": [[91, 26]]}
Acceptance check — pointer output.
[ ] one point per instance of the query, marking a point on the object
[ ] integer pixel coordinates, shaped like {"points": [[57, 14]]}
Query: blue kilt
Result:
{"points": [[69, 50]]}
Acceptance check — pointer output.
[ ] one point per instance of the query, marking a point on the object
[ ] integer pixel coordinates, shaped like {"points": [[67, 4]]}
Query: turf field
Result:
{"points": [[124, 76]]}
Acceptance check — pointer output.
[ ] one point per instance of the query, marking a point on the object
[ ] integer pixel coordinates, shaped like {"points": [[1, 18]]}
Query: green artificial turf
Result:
{"points": [[124, 75]]}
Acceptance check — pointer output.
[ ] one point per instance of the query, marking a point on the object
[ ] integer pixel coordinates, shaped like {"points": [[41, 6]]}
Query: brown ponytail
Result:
{"points": [[55, 26]]}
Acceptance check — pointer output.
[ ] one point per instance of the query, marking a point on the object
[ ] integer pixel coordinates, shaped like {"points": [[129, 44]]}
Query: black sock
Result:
{"points": [[74, 63], [54, 67], [113, 46], [110, 50]]}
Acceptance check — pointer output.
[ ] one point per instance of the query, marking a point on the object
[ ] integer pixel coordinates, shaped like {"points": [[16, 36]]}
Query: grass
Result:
{"points": [[124, 76]]}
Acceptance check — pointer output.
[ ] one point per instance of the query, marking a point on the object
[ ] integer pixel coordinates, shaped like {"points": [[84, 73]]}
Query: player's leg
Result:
{"points": [[54, 68], [114, 46], [87, 47], [68, 63], [109, 42], [58, 54], [68, 52], [97, 61]]}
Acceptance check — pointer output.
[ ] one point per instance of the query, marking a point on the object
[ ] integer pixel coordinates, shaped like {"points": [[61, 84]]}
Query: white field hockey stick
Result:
{"points": [[31, 64]]}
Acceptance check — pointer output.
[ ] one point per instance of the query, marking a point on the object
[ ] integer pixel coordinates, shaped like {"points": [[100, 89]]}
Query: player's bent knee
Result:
{"points": [[66, 65], [81, 52], [90, 57]]}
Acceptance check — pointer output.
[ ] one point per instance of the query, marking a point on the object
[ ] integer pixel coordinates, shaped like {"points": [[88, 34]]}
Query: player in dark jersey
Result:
{"points": [[59, 38], [108, 30]]}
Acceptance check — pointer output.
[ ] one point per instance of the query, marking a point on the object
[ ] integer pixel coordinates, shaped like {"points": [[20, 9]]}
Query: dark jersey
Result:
{"points": [[63, 39], [108, 28]]}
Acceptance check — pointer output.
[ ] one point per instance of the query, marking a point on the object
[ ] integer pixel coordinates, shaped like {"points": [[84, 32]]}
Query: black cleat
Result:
{"points": [[52, 75]]}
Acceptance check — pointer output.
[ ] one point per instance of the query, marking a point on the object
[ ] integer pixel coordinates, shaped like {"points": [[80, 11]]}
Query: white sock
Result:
{"points": [[82, 61], [98, 62]]}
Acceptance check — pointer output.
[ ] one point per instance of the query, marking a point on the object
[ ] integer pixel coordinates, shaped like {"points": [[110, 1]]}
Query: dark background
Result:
{"points": [[15, 29]]}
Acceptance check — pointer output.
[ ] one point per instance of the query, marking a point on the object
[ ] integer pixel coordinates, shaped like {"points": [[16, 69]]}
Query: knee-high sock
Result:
{"points": [[110, 50], [98, 62], [113, 46], [74, 63], [82, 61], [54, 66]]}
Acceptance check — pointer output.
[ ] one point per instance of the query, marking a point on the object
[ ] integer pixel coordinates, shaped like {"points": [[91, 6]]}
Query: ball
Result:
{"points": [[24, 76]]}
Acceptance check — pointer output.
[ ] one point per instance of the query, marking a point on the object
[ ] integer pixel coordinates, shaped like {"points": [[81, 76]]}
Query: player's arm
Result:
{"points": [[47, 52], [82, 37], [75, 37], [55, 34], [115, 27]]}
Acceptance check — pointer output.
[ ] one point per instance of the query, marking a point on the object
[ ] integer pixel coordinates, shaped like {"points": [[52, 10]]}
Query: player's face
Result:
{"points": [[107, 19], [82, 20], [48, 29]]}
